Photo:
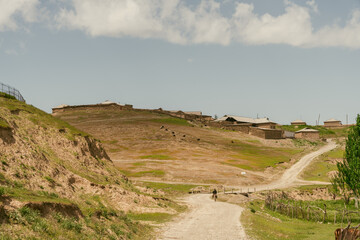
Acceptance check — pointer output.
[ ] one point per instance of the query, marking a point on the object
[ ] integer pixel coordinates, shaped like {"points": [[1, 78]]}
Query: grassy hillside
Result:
{"points": [[321, 168], [57, 182], [152, 146]]}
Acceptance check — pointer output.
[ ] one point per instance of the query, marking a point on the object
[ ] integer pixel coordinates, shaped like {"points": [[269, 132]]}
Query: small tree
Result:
{"points": [[348, 177]]}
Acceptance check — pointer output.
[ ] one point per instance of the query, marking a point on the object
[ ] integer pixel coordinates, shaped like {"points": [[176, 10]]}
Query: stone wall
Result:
{"points": [[269, 125], [307, 135], [266, 133], [332, 124]]}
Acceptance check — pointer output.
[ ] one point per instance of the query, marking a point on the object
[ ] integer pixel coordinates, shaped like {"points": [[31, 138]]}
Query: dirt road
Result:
{"points": [[221, 221], [207, 220], [291, 176]]}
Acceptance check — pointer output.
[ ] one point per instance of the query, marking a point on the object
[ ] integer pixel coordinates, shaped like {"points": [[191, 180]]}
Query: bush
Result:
{"points": [[252, 210], [2, 191]]}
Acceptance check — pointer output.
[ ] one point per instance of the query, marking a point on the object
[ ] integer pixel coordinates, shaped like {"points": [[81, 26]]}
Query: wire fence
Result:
{"points": [[11, 91]]}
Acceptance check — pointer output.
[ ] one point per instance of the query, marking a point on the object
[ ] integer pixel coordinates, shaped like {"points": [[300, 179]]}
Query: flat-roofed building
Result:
{"points": [[298, 122], [307, 133], [332, 123]]}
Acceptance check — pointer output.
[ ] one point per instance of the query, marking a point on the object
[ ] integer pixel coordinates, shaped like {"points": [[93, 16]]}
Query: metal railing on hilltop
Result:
{"points": [[11, 91]]}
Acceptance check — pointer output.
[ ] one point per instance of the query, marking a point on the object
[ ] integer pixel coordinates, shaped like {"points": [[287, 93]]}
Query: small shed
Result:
{"points": [[298, 122], [307, 133], [332, 123]]}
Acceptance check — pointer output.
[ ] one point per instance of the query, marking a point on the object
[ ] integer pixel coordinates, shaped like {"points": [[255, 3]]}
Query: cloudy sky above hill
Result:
{"points": [[284, 59]]}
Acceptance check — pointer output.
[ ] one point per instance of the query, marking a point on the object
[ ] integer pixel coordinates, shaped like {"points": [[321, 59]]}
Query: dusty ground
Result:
{"points": [[154, 147], [217, 220], [207, 220]]}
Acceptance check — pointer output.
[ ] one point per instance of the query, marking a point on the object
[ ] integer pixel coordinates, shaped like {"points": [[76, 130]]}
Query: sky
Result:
{"points": [[281, 59]]}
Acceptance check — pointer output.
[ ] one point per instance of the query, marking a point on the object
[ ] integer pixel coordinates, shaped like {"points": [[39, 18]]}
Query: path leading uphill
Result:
{"points": [[209, 220]]}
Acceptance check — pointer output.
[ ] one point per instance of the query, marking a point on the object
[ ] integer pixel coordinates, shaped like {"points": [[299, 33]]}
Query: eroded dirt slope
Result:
{"points": [[49, 167]]}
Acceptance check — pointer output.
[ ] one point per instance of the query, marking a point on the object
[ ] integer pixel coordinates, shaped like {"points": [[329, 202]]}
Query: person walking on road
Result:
{"points": [[214, 196]]}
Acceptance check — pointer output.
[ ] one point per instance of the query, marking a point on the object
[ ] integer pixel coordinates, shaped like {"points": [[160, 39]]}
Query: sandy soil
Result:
{"points": [[218, 220], [207, 220]]}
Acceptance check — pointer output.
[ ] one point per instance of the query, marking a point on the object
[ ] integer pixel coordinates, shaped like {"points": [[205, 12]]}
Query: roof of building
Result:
{"points": [[307, 130], [298, 121], [245, 119], [108, 102], [332, 120]]}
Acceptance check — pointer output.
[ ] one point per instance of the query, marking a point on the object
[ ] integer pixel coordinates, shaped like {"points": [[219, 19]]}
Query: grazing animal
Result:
{"points": [[347, 233]]}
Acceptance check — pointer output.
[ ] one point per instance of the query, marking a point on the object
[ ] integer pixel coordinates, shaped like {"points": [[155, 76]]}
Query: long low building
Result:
{"points": [[255, 122], [298, 122]]}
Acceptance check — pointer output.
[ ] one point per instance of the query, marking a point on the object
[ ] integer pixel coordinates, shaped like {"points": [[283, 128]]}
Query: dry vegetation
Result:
{"points": [[152, 146]]}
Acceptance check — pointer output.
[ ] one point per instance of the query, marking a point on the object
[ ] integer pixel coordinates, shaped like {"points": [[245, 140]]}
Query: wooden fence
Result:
{"points": [[305, 211]]}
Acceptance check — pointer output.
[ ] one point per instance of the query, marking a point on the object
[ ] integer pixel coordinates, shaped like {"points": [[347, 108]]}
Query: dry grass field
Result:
{"points": [[152, 146]]}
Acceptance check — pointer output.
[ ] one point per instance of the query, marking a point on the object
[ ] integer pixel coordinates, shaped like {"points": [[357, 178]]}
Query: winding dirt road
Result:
{"points": [[209, 220]]}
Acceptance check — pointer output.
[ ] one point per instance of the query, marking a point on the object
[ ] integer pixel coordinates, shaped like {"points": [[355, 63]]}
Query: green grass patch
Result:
{"points": [[172, 121], [268, 225], [139, 164], [25, 195], [257, 158], [318, 170], [8, 96], [157, 157], [4, 124], [153, 217], [149, 173], [39, 117]]}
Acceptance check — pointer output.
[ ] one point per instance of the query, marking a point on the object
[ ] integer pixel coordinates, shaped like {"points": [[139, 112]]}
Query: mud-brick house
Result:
{"points": [[298, 122], [307, 133], [266, 133], [254, 122], [332, 123]]}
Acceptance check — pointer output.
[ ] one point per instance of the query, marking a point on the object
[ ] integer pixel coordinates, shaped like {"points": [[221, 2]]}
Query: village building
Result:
{"points": [[266, 133], [307, 133], [298, 122], [332, 123], [254, 122]]}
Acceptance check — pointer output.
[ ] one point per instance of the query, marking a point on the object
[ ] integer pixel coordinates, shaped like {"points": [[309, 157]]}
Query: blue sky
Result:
{"points": [[281, 59]]}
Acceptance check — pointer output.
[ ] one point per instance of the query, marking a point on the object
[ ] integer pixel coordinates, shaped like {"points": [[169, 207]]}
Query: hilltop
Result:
{"points": [[149, 145], [58, 182]]}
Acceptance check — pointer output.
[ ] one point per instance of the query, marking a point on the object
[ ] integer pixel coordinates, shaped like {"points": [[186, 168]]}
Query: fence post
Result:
{"points": [[308, 213], [324, 218]]}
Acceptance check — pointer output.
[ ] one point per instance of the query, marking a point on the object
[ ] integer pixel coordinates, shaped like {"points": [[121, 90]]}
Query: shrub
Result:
{"points": [[2, 191]]}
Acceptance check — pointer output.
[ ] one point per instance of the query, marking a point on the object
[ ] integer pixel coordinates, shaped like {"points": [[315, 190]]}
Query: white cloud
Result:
{"points": [[11, 9], [293, 27], [177, 22], [313, 5], [171, 20]]}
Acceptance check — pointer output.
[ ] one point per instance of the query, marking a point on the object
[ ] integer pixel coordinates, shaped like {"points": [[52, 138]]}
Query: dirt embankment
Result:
{"points": [[51, 167]]}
